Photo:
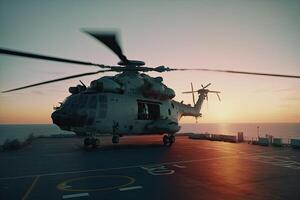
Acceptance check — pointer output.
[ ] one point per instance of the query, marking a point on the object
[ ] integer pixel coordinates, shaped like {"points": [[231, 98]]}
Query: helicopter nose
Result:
{"points": [[58, 118], [66, 120]]}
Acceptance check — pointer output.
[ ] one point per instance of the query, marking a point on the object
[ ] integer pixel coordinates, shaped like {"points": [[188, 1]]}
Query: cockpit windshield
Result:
{"points": [[71, 102]]}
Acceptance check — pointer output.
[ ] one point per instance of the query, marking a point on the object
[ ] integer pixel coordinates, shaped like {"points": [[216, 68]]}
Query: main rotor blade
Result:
{"points": [[237, 72], [211, 91], [166, 69], [56, 80], [111, 41], [45, 57]]}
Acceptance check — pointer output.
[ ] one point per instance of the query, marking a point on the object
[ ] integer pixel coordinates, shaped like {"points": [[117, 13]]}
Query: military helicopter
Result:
{"points": [[129, 103]]}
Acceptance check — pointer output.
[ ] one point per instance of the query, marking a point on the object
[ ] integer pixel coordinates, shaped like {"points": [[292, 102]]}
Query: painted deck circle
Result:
{"points": [[122, 181]]}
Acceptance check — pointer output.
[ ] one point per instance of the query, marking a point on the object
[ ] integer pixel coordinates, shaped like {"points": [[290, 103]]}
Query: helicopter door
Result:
{"points": [[148, 110]]}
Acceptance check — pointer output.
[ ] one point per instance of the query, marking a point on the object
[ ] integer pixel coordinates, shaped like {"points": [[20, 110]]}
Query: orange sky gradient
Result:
{"points": [[258, 36]]}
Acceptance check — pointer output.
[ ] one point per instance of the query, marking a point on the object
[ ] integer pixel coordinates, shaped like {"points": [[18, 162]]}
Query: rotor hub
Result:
{"points": [[132, 63]]}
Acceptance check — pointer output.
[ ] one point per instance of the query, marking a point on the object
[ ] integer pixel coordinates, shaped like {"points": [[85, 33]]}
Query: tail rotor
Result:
{"points": [[203, 91]]}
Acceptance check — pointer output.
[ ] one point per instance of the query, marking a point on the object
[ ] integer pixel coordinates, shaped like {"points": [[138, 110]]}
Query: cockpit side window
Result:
{"points": [[83, 100], [92, 103], [75, 102], [66, 103], [71, 102]]}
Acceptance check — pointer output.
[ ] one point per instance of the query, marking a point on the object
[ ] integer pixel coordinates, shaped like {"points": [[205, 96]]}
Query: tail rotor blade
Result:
{"points": [[207, 101], [218, 96], [193, 93], [207, 85], [211, 91]]}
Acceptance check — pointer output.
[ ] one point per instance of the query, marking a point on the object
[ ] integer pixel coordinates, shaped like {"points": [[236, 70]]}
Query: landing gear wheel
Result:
{"points": [[87, 142], [166, 140], [172, 138], [115, 139], [95, 142]]}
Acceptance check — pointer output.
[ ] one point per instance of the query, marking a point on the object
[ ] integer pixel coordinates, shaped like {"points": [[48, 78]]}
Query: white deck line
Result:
{"points": [[126, 167], [75, 195], [130, 188], [179, 166], [116, 168]]}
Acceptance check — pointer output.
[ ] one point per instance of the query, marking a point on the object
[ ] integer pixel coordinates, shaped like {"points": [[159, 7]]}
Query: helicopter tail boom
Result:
{"points": [[188, 110]]}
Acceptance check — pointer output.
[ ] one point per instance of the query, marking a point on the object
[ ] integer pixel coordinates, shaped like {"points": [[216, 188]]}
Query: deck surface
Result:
{"points": [[142, 168]]}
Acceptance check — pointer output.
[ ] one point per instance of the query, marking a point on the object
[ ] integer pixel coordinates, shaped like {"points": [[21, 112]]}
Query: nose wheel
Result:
{"points": [[115, 139], [168, 140], [91, 142]]}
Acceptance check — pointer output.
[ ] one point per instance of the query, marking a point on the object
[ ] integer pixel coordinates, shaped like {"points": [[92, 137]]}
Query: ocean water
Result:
{"points": [[22, 132], [282, 130]]}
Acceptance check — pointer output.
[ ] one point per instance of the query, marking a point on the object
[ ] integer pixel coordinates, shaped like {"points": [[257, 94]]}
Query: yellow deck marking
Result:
{"points": [[30, 188]]}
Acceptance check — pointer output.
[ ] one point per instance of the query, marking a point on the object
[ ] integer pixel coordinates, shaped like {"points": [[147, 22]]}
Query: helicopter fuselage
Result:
{"points": [[104, 113], [121, 112]]}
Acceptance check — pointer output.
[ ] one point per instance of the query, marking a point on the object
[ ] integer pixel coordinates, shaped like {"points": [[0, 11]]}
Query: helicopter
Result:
{"points": [[128, 103]]}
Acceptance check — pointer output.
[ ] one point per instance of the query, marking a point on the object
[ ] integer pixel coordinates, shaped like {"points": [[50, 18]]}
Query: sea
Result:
{"points": [[285, 131]]}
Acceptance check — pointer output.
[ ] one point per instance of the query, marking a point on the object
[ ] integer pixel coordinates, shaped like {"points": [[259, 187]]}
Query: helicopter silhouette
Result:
{"points": [[129, 103]]}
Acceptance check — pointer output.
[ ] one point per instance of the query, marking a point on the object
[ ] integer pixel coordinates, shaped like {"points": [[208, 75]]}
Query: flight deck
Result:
{"points": [[142, 167]]}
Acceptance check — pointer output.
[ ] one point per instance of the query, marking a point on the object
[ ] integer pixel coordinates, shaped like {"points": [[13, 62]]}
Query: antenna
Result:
{"points": [[82, 83]]}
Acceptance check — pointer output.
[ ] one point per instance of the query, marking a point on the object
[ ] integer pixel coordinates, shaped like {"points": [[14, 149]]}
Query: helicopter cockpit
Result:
{"points": [[77, 110]]}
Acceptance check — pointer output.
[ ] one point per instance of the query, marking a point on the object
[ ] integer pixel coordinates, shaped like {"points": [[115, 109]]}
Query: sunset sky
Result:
{"points": [[258, 36]]}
